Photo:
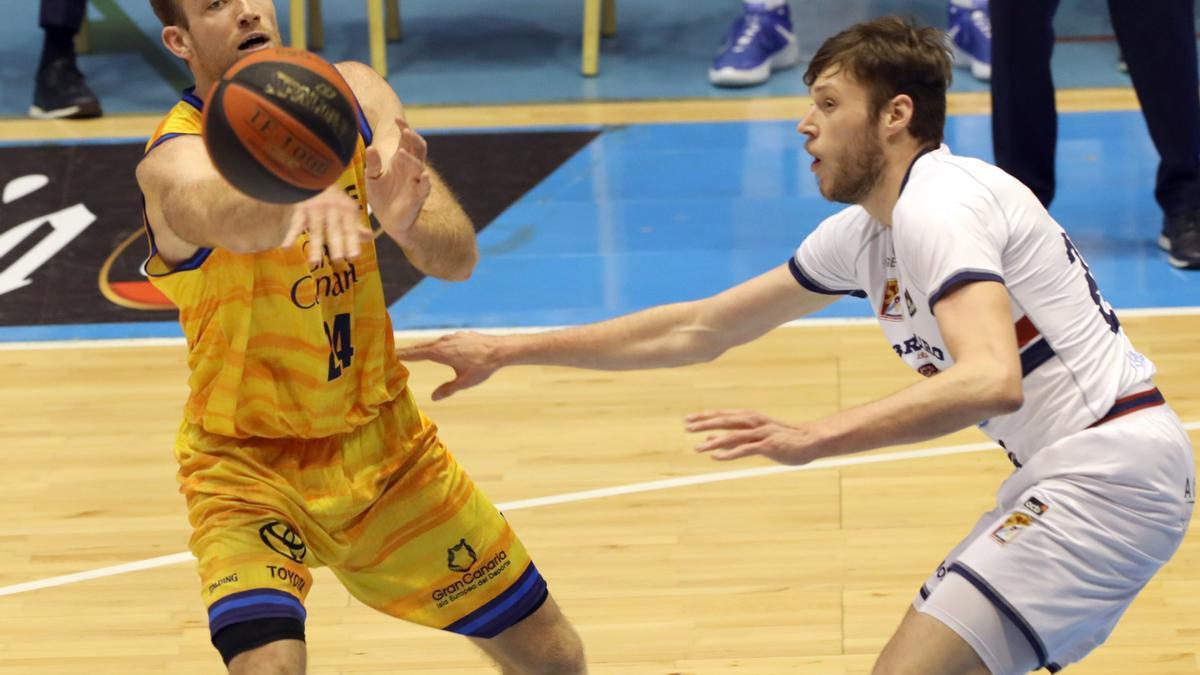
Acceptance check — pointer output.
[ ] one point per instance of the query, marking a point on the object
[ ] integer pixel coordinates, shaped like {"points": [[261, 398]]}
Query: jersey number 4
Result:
{"points": [[341, 349], [1106, 310]]}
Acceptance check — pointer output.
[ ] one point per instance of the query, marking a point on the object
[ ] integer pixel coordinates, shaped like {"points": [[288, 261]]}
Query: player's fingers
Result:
{"points": [[335, 231], [316, 239], [706, 414], [725, 420], [447, 389], [374, 164], [415, 145], [415, 353], [350, 233], [406, 163], [730, 440], [295, 227], [738, 452], [430, 350], [354, 240]]}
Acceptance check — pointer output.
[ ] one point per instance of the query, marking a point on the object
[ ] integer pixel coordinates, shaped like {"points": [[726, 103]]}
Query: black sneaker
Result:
{"points": [[1181, 238], [61, 93]]}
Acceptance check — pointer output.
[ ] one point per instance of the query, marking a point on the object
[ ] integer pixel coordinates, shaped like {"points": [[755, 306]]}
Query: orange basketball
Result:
{"points": [[281, 125]]}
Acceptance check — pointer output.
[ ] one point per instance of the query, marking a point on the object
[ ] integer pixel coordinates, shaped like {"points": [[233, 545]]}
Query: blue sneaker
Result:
{"points": [[970, 29], [759, 41]]}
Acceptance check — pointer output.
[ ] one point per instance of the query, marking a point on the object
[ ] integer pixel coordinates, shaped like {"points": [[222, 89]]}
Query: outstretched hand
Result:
{"points": [[397, 189], [752, 433], [471, 355], [331, 220]]}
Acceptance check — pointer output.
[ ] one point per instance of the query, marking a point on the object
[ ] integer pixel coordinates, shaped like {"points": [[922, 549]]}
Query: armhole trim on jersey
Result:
{"points": [[364, 127], [960, 277], [166, 137], [807, 282], [193, 263], [1008, 610]]}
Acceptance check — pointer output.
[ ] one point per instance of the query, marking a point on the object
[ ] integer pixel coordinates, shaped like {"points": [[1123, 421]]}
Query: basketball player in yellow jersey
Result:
{"points": [[301, 445]]}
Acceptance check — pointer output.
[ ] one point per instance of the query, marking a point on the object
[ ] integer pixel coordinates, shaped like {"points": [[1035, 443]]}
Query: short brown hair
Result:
{"points": [[169, 13], [890, 56]]}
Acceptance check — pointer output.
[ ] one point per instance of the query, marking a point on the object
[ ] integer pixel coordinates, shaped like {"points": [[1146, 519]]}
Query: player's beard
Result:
{"points": [[860, 169], [214, 64]]}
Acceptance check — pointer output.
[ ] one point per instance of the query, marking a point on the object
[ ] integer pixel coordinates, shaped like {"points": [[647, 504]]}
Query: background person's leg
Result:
{"points": [[1024, 118]]}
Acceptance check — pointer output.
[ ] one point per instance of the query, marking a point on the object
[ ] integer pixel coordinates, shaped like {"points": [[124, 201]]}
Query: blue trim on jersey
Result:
{"points": [[960, 277], [193, 262], [189, 96], [166, 137], [259, 603], [1008, 610], [1035, 355], [807, 282], [506, 609], [908, 171], [364, 127]]}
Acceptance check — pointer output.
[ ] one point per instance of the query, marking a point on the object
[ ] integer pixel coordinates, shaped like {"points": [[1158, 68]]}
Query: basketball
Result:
{"points": [[281, 125]]}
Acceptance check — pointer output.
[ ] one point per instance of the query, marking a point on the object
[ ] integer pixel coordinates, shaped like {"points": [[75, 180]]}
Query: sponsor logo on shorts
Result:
{"points": [[1036, 506], [471, 580], [461, 557], [222, 581], [1013, 525], [284, 574], [281, 538]]}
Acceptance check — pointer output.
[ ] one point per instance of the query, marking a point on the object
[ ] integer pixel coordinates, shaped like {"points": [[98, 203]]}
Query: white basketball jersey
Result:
{"points": [[960, 219]]}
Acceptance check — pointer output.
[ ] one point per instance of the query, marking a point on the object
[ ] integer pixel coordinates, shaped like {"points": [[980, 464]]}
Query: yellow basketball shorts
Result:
{"points": [[385, 507]]}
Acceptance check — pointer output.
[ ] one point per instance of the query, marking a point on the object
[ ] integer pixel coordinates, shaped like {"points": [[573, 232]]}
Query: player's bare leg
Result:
{"points": [[922, 645], [282, 657], [544, 643]]}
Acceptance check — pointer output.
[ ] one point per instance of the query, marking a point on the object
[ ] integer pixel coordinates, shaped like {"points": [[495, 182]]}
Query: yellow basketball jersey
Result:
{"points": [[278, 348]]}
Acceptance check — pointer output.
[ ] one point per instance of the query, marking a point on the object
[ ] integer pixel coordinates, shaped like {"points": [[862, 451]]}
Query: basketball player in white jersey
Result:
{"points": [[979, 289]]}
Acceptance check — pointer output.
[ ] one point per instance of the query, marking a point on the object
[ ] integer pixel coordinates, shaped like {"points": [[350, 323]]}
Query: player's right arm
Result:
{"points": [[190, 206], [660, 337]]}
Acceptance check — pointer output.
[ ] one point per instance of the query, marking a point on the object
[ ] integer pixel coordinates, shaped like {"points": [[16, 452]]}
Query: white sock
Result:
{"points": [[769, 4]]}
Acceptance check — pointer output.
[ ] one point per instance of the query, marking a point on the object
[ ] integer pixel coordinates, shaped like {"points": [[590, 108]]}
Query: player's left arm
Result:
{"points": [[412, 203], [976, 322]]}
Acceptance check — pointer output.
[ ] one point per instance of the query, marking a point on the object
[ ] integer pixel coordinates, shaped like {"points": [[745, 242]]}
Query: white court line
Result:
{"points": [[565, 498], [124, 343]]}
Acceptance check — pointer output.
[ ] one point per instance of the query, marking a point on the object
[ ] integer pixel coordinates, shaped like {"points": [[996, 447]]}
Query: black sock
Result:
{"points": [[60, 43]]}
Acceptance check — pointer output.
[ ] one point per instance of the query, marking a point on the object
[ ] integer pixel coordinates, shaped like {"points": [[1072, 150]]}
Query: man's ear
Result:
{"points": [[177, 41], [897, 114]]}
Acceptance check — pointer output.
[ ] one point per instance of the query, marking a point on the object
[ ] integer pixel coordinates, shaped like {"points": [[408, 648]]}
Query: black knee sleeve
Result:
{"points": [[243, 636]]}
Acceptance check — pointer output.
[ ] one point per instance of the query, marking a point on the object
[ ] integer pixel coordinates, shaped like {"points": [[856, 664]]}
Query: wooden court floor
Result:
{"points": [[799, 572], [806, 571]]}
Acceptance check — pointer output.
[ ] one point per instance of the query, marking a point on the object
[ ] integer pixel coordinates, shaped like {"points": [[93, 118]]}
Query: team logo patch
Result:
{"points": [[1013, 525], [1036, 506], [461, 557], [281, 538], [890, 307], [928, 370]]}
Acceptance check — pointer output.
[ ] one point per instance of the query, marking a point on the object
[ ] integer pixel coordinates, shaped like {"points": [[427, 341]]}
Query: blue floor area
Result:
{"points": [[483, 51], [647, 214]]}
